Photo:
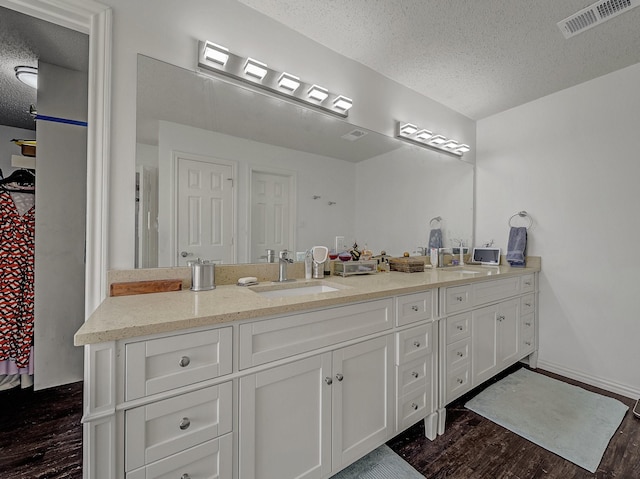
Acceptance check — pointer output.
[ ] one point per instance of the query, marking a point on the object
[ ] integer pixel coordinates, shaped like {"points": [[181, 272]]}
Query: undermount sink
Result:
{"points": [[292, 289], [456, 269]]}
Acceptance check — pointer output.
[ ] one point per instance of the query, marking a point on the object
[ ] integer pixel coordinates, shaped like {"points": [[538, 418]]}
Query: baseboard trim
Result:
{"points": [[601, 383]]}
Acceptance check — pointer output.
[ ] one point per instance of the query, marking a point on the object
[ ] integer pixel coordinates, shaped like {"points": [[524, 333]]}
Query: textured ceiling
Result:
{"points": [[23, 41], [476, 57]]}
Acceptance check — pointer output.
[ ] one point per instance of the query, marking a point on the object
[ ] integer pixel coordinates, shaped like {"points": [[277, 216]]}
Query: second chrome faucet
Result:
{"points": [[283, 262]]}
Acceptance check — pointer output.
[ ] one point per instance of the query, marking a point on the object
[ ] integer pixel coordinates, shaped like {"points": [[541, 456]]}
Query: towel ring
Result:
{"points": [[438, 219], [522, 214]]}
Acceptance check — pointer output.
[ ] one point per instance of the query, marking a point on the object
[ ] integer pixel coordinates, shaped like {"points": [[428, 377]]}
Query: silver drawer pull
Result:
{"points": [[460, 353], [184, 361], [185, 476], [415, 374], [459, 298], [528, 305], [185, 423], [460, 328], [527, 324], [460, 381], [414, 308], [500, 318], [339, 377], [414, 406], [528, 343], [528, 283], [416, 344], [328, 380]]}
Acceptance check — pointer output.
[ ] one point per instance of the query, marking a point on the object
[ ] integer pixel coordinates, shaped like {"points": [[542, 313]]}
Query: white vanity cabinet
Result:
{"points": [[316, 415], [486, 326]]}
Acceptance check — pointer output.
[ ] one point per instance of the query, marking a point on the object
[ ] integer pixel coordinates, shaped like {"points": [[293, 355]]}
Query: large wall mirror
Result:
{"points": [[224, 173]]}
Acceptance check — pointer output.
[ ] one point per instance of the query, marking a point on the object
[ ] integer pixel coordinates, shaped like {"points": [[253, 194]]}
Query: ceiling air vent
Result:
{"points": [[354, 135], [594, 15]]}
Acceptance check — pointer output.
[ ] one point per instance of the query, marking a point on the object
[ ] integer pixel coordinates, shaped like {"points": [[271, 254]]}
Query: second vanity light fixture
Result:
{"points": [[413, 134], [219, 59]]}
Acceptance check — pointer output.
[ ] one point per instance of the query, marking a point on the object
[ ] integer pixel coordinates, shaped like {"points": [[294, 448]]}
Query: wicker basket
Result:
{"points": [[407, 265]]}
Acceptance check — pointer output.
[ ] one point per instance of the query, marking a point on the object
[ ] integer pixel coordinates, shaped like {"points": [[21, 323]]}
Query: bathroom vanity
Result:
{"points": [[233, 383]]}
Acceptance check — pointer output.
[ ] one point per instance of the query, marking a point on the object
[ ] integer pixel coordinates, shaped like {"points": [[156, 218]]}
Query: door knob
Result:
{"points": [[184, 254]]}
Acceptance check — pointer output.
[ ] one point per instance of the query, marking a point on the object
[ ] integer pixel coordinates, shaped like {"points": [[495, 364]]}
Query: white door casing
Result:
{"points": [[271, 212], [205, 210]]}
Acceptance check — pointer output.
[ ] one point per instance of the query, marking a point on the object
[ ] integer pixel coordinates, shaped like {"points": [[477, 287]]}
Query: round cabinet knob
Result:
{"points": [[458, 298], [415, 374], [528, 305], [185, 476], [414, 406], [416, 344], [339, 377], [528, 343], [184, 361], [460, 353], [185, 423], [414, 308], [328, 380], [460, 328], [460, 381], [500, 318], [527, 324]]}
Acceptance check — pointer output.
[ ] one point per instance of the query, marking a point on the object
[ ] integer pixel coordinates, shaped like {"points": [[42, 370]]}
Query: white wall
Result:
{"points": [[170, 30], [572, 160], [7, 148]]}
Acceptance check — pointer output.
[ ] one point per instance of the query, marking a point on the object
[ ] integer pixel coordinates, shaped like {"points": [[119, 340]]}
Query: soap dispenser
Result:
{"points": [[308, 264]]}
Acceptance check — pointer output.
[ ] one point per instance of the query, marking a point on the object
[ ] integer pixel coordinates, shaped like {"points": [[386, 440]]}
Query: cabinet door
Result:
{"points": [[484, 344], [362, 399], [508, 332], [285, 421]]}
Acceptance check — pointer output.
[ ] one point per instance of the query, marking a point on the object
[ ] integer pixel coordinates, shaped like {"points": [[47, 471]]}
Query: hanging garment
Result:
{"points": [[17, 232]]}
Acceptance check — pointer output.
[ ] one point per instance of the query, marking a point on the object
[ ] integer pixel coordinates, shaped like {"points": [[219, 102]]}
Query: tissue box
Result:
{"points": [[348, 268]]}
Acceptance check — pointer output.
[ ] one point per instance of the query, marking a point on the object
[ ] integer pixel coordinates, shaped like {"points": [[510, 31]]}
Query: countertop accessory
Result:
{"points": [[319, 254], [486, 256], [202, 275], [247, 281], [355, 267], [407, 265]]}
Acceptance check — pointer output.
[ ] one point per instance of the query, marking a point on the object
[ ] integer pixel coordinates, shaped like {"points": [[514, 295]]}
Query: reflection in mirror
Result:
{"points": [[226, 173]]}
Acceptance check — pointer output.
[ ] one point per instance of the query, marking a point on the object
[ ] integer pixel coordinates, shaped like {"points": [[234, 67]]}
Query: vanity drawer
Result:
{"points": [[167, 363], [527, 283], [458, 327], [413, 407], [415, 307], [163, 428], [414, 375], [527, 304], [495, 290], [458, 353], [458, 382], [414, 343], [457, 298], [273, 339], [213, 459]]}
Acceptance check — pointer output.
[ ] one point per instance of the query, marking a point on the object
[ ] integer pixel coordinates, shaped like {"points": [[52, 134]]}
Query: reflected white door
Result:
{"points": [[271, 214], [204, 211]]}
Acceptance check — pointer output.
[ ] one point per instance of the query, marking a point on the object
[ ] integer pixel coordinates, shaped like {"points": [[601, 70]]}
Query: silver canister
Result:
{"points": [[203, 275]]}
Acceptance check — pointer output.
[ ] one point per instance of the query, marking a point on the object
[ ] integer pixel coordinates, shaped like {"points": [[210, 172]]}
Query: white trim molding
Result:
{"points": [[93, 18], [622, 389]]}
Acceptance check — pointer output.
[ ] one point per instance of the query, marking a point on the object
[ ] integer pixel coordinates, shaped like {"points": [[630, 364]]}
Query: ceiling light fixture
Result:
{"points": [[216, 53], [27, 75], [255, 68], [427, 139], [289, 82], [214, 58]]}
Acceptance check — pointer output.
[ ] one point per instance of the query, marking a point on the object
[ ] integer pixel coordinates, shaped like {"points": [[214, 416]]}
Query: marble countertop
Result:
{"points": [[139, 315]]}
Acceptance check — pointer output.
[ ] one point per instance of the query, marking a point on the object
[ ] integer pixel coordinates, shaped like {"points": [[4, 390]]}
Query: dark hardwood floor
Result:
{"points": [[41, 438], [40, 433], [473, 447]]}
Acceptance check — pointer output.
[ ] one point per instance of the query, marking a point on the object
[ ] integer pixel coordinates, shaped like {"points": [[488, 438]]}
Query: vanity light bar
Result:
{"points": [[218, 59], [412, 134]]}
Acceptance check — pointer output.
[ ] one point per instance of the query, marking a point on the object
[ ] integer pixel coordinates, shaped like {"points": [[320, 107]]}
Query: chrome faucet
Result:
{"points": [[284, 260]]}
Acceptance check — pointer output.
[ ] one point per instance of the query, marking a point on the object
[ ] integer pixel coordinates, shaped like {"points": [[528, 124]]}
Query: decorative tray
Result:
{"points": [[348, 268]]}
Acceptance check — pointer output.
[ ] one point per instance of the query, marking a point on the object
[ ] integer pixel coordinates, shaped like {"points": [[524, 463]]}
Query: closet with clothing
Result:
{"points": [[17, 249]]}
